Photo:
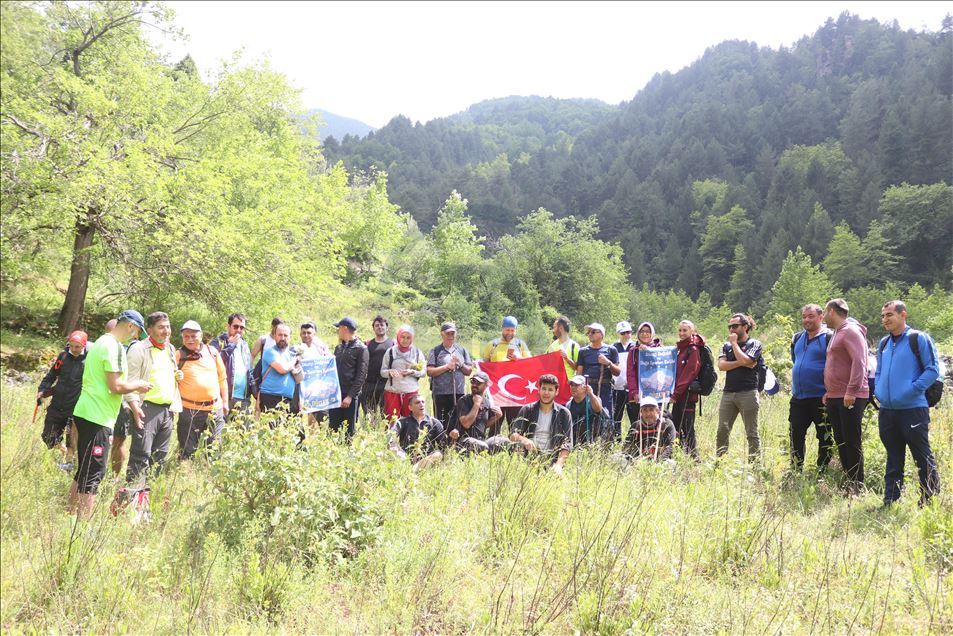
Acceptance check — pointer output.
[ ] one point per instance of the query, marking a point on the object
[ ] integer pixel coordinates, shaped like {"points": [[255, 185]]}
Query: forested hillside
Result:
{"points": [[710, 176]]}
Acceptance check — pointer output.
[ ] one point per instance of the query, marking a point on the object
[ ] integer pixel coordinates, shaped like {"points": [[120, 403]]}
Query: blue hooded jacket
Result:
{"points": [[901, 382], [809, 356]]}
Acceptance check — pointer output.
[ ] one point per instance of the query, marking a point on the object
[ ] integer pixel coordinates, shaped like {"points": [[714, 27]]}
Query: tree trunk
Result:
{"points": [[72, 312]]}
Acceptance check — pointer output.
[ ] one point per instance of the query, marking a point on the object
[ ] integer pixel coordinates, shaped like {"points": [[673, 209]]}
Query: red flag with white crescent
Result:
{"points": [[516, 382]]}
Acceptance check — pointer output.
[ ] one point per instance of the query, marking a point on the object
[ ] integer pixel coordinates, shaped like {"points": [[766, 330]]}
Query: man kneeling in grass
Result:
{"points": [[651, 437], [407, 431], [545, 427]]}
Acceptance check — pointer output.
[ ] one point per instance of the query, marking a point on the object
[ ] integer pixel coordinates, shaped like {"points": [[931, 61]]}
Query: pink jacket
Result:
{"points": [[845, 374]]}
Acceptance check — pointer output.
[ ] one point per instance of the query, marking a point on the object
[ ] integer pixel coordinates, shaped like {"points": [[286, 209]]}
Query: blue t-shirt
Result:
{"points": [[275, 383]]}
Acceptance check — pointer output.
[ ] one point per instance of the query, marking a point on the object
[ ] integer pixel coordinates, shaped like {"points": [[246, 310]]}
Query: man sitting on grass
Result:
{"points": [[652, 436], [545, 427], [418, 435]]}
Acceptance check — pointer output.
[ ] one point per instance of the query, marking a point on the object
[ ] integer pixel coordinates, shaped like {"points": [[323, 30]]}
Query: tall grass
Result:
{"points": [[336, 538]]}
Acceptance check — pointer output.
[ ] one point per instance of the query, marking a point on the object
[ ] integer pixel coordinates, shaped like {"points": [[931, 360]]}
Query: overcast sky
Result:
{"points": [[371, 61]]}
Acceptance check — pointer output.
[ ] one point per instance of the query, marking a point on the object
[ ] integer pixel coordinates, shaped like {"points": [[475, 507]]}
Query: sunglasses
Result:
{"points": [[735, 325]]}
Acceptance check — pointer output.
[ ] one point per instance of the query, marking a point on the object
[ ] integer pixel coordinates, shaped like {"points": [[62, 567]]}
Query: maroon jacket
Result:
{"points": [[845, 373], [687, 366]]}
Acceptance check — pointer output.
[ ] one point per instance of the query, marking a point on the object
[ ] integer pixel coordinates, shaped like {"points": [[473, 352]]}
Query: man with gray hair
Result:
{"points": [[907, 370]]}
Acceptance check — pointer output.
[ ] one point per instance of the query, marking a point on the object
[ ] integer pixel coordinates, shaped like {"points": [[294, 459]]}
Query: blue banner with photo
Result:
{"points": [[657, 372], [320, 390]]}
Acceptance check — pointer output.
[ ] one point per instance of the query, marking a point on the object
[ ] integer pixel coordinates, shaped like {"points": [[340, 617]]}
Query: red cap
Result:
{"points": [[79, 337]]}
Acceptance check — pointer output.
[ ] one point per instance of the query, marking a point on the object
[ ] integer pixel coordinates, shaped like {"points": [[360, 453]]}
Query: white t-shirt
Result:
{"points": [[543, 436]]}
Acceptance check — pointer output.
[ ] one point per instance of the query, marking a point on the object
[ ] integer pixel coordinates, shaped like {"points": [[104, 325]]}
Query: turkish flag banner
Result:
{"points": [[516, 382]]}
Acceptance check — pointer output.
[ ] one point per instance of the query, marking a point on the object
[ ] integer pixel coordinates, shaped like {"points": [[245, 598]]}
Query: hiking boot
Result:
{"points": [[120, 501]]}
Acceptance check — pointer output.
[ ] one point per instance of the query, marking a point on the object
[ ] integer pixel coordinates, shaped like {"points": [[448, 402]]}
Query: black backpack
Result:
{"points": [[935, 391], [707, 377]]}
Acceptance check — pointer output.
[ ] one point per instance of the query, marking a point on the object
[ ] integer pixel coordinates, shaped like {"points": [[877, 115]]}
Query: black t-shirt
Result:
{"points": [[742, 378], [408, 432], [463, 406], [376, 352]]}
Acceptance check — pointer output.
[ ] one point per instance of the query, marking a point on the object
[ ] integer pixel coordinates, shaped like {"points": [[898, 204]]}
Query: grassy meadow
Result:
{"points": [[336, 539]]}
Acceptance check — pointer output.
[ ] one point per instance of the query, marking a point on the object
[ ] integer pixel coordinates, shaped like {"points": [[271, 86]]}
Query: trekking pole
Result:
{"points": [[36, 409]]}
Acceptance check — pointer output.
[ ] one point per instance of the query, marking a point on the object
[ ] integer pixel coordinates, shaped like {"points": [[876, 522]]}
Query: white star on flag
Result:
{"points": [[530, 386]]}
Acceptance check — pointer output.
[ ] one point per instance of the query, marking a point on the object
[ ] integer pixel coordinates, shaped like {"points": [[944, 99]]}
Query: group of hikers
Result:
{"points": [[108, 391]]}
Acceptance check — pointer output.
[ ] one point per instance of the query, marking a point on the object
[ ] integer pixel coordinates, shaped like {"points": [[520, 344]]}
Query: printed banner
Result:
{"points": [[319, 388], [516, 382], [657, 372]]}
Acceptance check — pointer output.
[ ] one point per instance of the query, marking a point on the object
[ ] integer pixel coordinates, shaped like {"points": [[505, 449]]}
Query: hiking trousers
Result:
{"points": [[898, 430], [150, 444], [845, 424], [732, 404], [803, 413]]}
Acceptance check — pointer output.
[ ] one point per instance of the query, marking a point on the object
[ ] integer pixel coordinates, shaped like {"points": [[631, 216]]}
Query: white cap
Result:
{"points": [[623, 326], [596, 327], [191, 325], [577, 379], [648, 400]]}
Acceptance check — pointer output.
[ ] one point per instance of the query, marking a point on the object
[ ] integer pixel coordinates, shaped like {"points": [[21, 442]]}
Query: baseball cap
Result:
{"points": [[133, 316], [347, 322], [480, 376], [448, 326], [596, 326], [79, 337], [191, 325], [578, 379], [510, 323], [648, 400], [623, 326]]}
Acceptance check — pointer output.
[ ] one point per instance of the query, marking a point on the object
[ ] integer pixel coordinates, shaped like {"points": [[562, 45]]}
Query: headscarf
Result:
{"points": [[402, 330], [651, 328]]}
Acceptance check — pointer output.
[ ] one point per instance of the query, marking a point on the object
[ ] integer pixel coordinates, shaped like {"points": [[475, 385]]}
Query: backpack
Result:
{"points": [[934, 392], [762, 370], [707, 377], [797, 336]]}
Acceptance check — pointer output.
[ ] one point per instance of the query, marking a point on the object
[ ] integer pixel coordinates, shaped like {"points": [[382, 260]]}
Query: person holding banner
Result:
{"points": [[406, 434], [545, 427], [599, 363], [590, 421], [311, 348], [739, 360], [447, 365], [651, 436], [647, 339], [506, 348]]}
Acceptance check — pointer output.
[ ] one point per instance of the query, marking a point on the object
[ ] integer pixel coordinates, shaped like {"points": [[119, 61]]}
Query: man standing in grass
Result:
{"points": [[352, 359], [236, 356], [152, 360], [739, 359], [600, 363], [566, 346], [846, 389], [545, 427], [448, 365], [809, 355], [907, 366], [104, 384], [204, 390]]}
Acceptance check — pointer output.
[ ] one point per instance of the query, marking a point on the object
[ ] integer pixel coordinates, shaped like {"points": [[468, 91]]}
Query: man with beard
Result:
{"points": [[372, 398], [506, 347], [544, 428], [590, 421], [473, 416], [278, 383]]}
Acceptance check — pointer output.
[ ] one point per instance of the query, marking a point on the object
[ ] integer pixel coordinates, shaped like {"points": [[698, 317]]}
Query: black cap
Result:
{"points": [[347, 322]]}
